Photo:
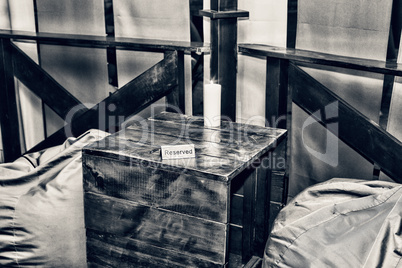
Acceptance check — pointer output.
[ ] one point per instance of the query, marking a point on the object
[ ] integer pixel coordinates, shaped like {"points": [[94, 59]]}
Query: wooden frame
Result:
{"points": [[373, 142], [168, 77]]}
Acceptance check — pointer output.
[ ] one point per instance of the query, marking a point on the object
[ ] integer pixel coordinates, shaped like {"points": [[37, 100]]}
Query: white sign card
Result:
{"points": [[177, 151]]}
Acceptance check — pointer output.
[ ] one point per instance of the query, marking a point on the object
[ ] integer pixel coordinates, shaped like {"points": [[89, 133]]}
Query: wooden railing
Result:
{"points": [[286, 82], [166, 78]]}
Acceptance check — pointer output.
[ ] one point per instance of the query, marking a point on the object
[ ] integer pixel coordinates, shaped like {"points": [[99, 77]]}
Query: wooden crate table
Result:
{"points": [[142, 211]]}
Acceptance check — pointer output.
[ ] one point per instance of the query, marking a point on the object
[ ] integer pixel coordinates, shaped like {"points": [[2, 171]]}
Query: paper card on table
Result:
{"points": [[177, 151]]}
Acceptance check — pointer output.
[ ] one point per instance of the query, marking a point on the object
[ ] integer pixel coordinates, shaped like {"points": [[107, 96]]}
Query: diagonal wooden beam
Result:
{"points": [[42, 84], [355, 129], [153, 84]]}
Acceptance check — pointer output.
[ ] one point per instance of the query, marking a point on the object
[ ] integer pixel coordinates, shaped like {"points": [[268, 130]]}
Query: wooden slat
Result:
{"points": [[111, 51], [235, 239], [355, 129], [249, 203], [276, 92], [236, 210], [176, 99], [42, 84], [153, 84], [161, 188], [108, 250], [291, 24], [106, 41], [288, 148], [387, 90], [388, 87], [194, 237], [8, 104], [304, 56], [277, 186]]}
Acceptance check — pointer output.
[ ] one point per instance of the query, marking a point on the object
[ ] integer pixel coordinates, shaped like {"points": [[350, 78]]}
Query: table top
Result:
{"points": [[220, 153]]}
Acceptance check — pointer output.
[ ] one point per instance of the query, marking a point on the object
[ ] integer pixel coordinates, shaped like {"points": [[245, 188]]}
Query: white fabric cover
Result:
{"points": [[339, 223], [41, 207]]}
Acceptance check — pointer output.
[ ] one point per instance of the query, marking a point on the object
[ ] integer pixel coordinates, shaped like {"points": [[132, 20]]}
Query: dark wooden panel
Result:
{"points": [[236, 210], [176, 99], [304, 56], [42, 84], [386, 97], [224, 53], [356, 130], [388, 87], [161, 228], [108, 250], [249, 216], [276, 92], [158, 188], [261, 201], [8, 104], [291, 24], [277, 186], [147, 88], [106, 41], [235, 239]]}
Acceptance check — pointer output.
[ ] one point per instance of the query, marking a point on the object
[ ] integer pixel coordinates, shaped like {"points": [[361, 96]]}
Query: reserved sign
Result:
{"points": [[177, 151]]}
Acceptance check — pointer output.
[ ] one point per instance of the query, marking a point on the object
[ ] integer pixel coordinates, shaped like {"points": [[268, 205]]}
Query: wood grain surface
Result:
{"points": [[190, 212], [157, 227], [108, 250], [221, 153], [160, 188]]}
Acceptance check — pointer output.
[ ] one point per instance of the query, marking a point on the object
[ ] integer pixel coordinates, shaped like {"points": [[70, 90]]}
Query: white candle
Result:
{"points": [[212, 105]]}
